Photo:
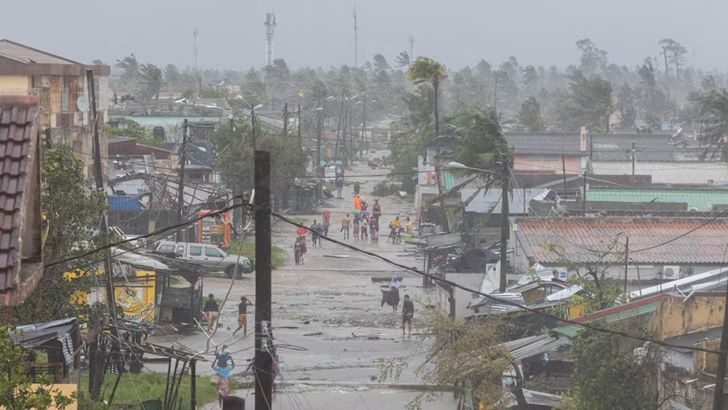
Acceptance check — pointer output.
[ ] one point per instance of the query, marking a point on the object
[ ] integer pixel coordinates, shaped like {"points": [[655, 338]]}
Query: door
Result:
{"points": [[213, 257], [196, 255]]}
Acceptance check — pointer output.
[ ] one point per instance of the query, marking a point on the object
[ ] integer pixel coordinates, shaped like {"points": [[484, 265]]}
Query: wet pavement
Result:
{"points": [[331, 333]]}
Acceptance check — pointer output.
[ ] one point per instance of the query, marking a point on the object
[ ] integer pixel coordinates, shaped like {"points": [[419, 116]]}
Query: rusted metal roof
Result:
{"points": [[595, 240], [17, 115], [19, 59]]}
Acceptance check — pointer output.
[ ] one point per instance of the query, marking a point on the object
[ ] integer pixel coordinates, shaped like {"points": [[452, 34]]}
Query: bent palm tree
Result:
{"points": [[425, 69]]}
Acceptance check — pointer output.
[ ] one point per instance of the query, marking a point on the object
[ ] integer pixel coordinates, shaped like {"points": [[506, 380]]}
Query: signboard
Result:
{"points": [[136, 297]]}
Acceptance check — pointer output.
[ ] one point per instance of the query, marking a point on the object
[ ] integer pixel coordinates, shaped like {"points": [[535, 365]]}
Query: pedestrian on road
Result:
{"points": [[326, 224], [373, 229], [223, 365], [357, 202], [357, 188], [408, 312], [346, 226], [409, 226], [299, 250], [212, 311], [376, 210], [339, 186], [243, 315], [364, 228], [301, 231], [357, 221], [315, 230]]}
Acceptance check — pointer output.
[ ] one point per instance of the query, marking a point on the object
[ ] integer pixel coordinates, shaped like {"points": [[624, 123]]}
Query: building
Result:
{"points": [[695, 199], [21, 256], [62, 91], [668, 173], [600, 243]]}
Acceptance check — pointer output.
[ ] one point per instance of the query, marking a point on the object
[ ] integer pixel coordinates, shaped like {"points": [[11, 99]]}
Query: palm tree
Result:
{"points": [[714, 119], [152, 76], [425, 69]]}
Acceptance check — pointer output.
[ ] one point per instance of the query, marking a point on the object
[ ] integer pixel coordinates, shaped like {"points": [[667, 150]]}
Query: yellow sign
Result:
{"points": [[136, 297]]}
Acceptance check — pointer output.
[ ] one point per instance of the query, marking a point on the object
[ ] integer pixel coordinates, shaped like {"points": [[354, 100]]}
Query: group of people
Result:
{"points": [[366, 222]]}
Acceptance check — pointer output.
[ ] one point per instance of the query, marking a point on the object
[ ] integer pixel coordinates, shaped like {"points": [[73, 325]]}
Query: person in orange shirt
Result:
{"points": [[357, 202]]}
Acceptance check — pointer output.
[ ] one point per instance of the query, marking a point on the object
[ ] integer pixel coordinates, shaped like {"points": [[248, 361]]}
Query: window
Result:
{"points": [[195, 250], [166, 248], [181, 249], [212, 253], [64, 95]]}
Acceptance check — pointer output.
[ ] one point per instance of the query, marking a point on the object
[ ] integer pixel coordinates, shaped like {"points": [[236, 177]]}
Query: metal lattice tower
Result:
{"points": [[270, 26]]}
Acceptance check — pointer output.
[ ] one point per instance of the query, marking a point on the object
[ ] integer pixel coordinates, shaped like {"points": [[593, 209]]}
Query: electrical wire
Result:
{"points": [[494, 298]]}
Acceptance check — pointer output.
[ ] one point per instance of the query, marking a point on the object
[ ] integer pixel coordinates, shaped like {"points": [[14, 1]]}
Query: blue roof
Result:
{"points": [[124, 203]]}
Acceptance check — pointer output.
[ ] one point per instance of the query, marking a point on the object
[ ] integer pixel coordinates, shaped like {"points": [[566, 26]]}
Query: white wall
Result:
{"points": [[462, 298]]}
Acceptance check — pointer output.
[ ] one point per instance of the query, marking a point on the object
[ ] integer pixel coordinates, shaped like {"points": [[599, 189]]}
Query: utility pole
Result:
{"points": [[583, 197], [263, 365], [270, 26], [285, 119], [253, 126], [298, 126], [97, 361], [181, 185], [563, 170], [411, 39], [363, 125], [505, 225], [626, 262], [633, 157], [319, 131], [718, 396]]}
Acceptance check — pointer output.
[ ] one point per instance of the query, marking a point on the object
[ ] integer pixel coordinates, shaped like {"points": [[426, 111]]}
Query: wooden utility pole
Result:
{"points": [[97, 360], [363, 125], [298, 126], [263, 364], [181, 185], [505, 225], [626, 263], [285, 119], [718, 395], [319, 131], [253, 126], [563, 169], [583, 197]]}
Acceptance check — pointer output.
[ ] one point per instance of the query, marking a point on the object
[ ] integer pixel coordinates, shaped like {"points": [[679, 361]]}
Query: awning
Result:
{"points": [[35, 335]]}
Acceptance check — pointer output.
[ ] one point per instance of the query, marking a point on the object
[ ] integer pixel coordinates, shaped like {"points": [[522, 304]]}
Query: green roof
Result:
{"points": [[573, 330], [699, 199]]}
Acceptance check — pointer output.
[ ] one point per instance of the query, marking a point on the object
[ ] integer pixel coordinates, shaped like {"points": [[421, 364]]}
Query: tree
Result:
{"points": [[16, 391], [130, 70], [607, 375], [73, 214], [592, 58], [626, 106], [714, 118], [403, 59], [152, 79], [529, 116], [673, 52], [172, 77], [588, 103], [425, 69], [142, 134], [456, 351]]}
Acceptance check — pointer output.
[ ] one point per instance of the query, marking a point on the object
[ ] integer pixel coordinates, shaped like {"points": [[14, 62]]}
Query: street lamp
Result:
{"points": [[458, 165], [252, 123]]}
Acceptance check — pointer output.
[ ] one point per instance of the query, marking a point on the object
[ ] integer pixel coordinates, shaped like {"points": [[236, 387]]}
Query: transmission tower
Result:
{"points": [[270, 26], [356, 41]]}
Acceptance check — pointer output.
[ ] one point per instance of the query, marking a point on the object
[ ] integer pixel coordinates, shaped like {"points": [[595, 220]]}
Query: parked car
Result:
{"points": [[207, 255]]}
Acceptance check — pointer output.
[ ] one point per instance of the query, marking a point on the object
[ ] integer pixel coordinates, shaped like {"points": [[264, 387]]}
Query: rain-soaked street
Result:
{"points": [[332, 334]]}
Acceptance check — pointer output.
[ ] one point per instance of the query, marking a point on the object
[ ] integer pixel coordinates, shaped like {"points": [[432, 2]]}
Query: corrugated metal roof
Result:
{"points": [[17, 115], [611, 315], [26, 55], [585, 240], [485, 201], [604, 147], [533, 345], [699, 199], [687, 173]]}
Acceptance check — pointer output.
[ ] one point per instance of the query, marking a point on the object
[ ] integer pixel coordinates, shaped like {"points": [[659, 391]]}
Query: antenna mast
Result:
{"points": [[270, 26], [356, 41], [412, 48]]}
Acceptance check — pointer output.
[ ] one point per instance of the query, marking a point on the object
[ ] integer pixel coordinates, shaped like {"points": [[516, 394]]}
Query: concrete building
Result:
{"points": [[62, 91]]}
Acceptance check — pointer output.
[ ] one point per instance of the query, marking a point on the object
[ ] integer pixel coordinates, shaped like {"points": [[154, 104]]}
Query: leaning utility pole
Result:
{"points": [[356, 41], [319, 131], [270, 26], [181, 184], [263, 362], [97, 361], [718, 395], [363, 125], [505, 224]]}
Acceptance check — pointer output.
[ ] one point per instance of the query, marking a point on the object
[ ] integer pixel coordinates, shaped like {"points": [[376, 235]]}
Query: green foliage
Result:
{"points": [[607, 375], [142, 134], [456, 350], [714, 119], [73, 213], [16, 392], [279, 255], [383, 188], [529, 116], [478, 139], [588, 103], [425, 69], [151, 78]]}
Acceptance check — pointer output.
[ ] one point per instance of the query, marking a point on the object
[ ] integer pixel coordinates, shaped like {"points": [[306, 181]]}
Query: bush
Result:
{"points": [[383, 188]]}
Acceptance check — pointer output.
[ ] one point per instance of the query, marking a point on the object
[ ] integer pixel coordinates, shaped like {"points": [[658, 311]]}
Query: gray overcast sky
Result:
{"points": [[319, 32]]}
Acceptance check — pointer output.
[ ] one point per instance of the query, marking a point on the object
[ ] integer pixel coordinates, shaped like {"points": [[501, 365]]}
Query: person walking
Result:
{"points": [[223, 365], [409, 227], [357, 221], [212, 311], [396, 229], [299, 249], [357, 202], [376, 210], [357, 188], [363, 229], [314, 233], [346, 226], [373, 235], [408, 312], [339, 186], [243, 315], [326, 224]]}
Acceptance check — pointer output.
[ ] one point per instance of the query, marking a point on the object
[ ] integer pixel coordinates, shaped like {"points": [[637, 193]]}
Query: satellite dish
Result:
{"points": [[82, 103]]}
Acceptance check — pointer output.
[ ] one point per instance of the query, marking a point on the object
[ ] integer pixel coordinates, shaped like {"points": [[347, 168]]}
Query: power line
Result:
{"points": [[493, 298]]}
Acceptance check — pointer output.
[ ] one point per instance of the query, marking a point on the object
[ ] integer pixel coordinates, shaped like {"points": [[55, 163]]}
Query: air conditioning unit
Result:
{"points": [[671, 272]]}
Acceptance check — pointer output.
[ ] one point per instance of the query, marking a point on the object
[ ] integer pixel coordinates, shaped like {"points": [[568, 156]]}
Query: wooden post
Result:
{"points": [[626, 263], [193, 384], [263, 365], [505, 225], [718, 395], [563, 170], [181, 182], [298, 126]]}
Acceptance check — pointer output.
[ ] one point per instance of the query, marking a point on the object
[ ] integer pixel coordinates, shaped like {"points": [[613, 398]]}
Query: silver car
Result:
{"points": [[207, 255]]}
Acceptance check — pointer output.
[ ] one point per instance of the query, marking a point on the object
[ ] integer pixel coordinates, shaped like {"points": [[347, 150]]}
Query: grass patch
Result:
{"points": [[135, 388], [247, 248]]}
